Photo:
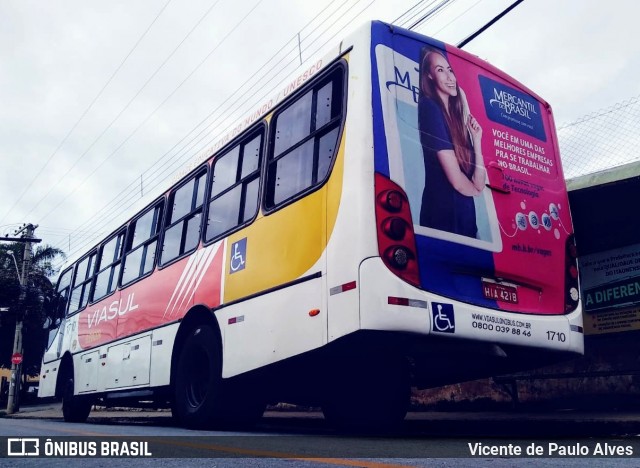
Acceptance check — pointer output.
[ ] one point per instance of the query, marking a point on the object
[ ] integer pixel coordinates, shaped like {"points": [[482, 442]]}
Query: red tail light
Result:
{"points": [[391, 200], [395, 227], [571, 294], [396, 239]]}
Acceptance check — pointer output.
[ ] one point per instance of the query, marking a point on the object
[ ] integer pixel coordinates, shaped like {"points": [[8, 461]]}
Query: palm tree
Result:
{"points": [[38, 304]]}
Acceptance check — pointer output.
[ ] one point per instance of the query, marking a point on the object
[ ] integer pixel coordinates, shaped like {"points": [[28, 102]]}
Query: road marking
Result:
{"points": [[289, 456]]}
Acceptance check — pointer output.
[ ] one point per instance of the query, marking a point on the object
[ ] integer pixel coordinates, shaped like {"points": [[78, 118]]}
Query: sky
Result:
{"points": [[104, 104]]}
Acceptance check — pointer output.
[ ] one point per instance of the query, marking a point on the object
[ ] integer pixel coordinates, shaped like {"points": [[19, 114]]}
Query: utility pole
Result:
{"points": [[16, 369]]}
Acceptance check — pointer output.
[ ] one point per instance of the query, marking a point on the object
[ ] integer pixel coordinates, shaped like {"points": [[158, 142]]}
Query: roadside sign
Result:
{"points": [[16, 358]]}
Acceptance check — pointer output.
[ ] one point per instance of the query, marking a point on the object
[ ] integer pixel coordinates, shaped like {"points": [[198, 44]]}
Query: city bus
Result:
{"points": [[395, 217]]}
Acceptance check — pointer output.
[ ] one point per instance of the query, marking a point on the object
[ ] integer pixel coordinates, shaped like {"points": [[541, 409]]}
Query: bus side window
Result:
{"points": [[108, 267], [184, 219], [142, 245], [82, 283], [304, 140], [234, 187], [61, 299], [62, 296]]}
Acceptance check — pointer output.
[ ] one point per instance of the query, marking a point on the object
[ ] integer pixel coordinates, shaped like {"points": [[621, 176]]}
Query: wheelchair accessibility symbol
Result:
{"points": [[238, 255], [444, 320]]}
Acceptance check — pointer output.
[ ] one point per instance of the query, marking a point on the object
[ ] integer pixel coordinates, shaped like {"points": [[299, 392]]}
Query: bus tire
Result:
{"points": [[74, 408], [197, 386], [368, 397]]}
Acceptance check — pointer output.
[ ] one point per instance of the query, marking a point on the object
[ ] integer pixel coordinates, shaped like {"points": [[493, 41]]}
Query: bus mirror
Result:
{"points": [[53, 324], [61, 305]]}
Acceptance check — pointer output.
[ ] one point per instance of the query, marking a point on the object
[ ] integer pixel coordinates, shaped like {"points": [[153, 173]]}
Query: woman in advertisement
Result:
{"points": [[451, 145]]}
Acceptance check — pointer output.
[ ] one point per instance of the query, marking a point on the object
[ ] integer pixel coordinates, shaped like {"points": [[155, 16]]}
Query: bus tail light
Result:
{"points": [[391, 200], [396, 239], [571, 294], [398, 256], [394, 227]]}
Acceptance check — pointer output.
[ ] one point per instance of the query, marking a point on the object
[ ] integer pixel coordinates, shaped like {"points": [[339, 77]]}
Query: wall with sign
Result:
{"points": [[611, 290], [609, 248]]}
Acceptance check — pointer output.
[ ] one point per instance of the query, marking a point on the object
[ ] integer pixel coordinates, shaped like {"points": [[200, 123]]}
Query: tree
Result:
{"points": [[39, 303]]}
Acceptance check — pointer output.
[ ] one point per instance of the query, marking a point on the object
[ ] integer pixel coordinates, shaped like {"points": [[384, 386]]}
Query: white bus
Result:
{"points": [[397, 216]]}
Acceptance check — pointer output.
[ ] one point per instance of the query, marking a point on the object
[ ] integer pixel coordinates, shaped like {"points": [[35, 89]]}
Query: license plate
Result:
{"points": [[500, 292]]}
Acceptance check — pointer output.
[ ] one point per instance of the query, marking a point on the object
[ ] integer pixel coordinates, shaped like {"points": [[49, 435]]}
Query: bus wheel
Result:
{"points": [[74, 408], [369, 397], [196, 398]]}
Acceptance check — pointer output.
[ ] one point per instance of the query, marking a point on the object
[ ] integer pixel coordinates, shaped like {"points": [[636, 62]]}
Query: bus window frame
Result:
{"points": [[61, 275], [194, 174], [160, 227], [93, 251], [71, 268], [121, 230], [341, 64], [261, 128]]}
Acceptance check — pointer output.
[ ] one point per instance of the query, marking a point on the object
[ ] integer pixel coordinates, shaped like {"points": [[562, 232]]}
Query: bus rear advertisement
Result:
{"points": [[398, 220]]}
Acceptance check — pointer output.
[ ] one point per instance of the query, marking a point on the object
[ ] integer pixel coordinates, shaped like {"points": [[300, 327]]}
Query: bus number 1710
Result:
{"points": [[557, 336]]}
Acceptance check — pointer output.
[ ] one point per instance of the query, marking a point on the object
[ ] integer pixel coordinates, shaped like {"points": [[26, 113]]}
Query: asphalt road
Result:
{"points": [[304, 439]]}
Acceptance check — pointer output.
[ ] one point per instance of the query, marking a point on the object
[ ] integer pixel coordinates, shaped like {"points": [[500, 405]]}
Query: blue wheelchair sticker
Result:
{"points": [[238, 256], [444, 320]]}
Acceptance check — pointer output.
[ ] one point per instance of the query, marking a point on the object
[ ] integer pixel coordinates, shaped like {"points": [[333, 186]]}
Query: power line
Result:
{"points": [[86, 111], [295, 58], [458, 17], [369, 4], [407, 12], [154, 168], [220, 133], [122, 111], [489, 24], [429, 13], [153, 112], [416, 14]]}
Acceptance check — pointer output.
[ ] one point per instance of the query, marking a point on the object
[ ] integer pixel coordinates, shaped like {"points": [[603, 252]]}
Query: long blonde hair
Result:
{"points": [[455, 115]]}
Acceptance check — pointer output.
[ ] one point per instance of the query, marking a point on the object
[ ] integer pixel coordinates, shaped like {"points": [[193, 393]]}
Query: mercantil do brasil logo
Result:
{"points": [[513, 108]]}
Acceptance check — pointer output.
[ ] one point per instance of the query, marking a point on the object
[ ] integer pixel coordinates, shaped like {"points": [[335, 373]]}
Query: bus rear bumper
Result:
{"points": [[388, 303]]}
